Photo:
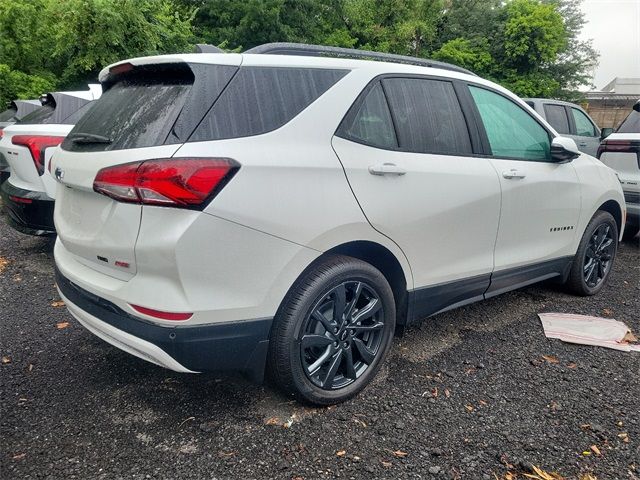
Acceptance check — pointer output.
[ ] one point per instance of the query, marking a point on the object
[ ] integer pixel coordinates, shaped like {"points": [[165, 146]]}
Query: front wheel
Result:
{"points": [[333, 331], [595, 256]]}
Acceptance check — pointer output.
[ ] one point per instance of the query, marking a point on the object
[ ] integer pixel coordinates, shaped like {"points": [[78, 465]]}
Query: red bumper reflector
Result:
{"points": [[13, 198], [162, 315]]}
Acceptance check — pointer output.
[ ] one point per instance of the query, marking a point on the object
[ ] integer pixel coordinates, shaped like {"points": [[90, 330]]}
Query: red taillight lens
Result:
{"points": [[177, 182], [37, 144], [620, 146], [162, 315], [1, 133]]}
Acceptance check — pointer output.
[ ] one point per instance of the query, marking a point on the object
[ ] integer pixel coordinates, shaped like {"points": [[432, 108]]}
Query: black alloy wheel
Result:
{"points": [[599, 255], [342, 335], [332, 331], [593, 262]]}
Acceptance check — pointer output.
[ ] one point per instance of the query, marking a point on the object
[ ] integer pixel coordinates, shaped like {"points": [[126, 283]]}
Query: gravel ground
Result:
{"points": [[466, 395]]}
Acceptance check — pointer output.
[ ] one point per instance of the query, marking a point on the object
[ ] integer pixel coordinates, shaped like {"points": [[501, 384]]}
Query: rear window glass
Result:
{"points": [[557, 117], [631, 124], [262, 99], [155, 105], [57, 110], [427, 116], [74, 117], [7, 115]]}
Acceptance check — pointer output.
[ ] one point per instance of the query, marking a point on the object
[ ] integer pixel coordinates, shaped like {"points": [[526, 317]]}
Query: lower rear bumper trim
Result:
{"points": [[230, 346]]}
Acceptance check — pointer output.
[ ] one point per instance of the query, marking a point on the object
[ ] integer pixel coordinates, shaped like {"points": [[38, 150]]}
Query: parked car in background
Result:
{"points": [[283, 209], [28, 145], [14, 112], [570, 120], [620, 150]]}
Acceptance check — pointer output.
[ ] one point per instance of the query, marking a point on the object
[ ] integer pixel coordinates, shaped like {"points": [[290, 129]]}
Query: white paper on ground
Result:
{"points": [[586, 330]]}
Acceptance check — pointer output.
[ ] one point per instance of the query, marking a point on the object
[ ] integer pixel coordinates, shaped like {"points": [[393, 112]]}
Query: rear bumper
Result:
{"points": [[229, 346], [633, 208], [28, 211]]}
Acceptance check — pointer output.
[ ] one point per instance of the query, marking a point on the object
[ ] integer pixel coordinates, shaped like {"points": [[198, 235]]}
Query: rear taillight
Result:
{"points": [[619, 146], [1, 133], [175, 182], [37, 144]]}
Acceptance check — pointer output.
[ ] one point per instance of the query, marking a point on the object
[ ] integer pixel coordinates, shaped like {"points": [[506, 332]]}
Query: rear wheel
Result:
{"points": [[595, 256], [333, 331]]}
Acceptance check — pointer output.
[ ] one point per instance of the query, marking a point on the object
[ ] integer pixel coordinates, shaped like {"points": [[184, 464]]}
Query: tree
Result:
{"points": [[52, 44]]}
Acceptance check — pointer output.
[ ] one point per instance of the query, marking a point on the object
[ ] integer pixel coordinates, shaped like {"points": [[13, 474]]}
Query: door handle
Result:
{"points": [[513, 174], [582, 144], [386, 169]]}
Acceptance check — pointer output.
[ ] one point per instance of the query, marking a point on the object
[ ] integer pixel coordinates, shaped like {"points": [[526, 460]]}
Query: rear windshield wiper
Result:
{"points": [[88, 138]]}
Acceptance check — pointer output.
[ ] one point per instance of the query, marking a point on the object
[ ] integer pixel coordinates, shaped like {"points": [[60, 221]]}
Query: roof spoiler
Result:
{"points": [[205, 48], [285, 48]]}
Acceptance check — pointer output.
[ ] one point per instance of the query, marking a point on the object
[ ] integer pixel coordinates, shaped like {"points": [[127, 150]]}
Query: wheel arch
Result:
{"points": [[384, 260], [614, 208]]}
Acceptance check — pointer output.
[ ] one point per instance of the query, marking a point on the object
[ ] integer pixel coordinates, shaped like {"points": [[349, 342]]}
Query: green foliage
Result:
{"points": [[63, 44], [530, 46], [15, 84], [472, 55], [532, 33]]}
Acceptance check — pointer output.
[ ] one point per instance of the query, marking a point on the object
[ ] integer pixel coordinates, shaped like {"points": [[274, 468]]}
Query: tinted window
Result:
{"points": [[584, 127], [261, 99], [512, 132], [631, 124], [151, 105], [427, 116], [7, 115], [74, 117], [557, 117], [56, 110], [371, 123]]}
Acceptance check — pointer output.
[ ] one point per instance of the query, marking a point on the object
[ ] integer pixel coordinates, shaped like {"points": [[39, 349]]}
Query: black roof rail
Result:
{"points": [[302, 49], [205, 48]]}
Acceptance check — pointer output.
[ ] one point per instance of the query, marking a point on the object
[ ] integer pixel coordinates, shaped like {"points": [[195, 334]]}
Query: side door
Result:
{"points": [[540, 198], [587, 135], [408, 153]]}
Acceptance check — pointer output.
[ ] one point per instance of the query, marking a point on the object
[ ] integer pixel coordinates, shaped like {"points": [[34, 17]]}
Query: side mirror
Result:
{"points": [[605, 132], [564, 150]]}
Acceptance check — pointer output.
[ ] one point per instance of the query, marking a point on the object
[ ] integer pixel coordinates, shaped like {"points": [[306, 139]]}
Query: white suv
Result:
{"points": [[621, 151], [28, 146], [265, 211]]}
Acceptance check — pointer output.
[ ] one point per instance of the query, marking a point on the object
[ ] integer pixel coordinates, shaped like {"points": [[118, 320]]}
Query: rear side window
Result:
{"points": [[631, 124], [584, 127], [511, 131], [262, 99], [427, 116], [371, 122], [557, 118]]}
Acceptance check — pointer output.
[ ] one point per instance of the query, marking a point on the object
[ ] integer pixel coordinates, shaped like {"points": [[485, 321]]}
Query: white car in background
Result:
{"points": [[14, 112], [283, 210], [27, 146], [620, 150]]}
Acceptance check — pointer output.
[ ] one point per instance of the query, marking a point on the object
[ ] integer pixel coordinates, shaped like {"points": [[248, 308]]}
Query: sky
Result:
{"points": [[614, 26]]}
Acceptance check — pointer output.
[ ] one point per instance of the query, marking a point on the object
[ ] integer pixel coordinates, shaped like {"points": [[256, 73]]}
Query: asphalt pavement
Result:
{"points": [[476, 393]]}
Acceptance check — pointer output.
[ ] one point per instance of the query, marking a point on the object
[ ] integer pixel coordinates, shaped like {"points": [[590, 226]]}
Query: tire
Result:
{"points": [[630, 231], [596, 254], [311, 346]]}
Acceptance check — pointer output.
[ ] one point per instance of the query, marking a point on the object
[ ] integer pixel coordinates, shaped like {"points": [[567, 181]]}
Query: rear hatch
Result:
{"points": [[149, 108], [621, 151]]}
